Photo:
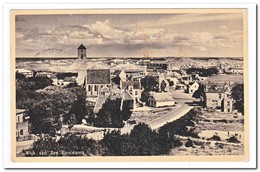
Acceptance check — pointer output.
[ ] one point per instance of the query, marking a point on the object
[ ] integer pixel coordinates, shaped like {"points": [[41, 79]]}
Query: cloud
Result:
{"points": [[80, 35], [105, 30]]}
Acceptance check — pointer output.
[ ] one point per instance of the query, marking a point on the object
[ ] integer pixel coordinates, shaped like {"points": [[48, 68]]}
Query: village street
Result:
{"points": [[181, 109]]}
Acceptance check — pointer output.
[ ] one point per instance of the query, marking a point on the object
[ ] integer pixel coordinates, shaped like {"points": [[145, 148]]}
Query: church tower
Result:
{"points": [[82, 52]]}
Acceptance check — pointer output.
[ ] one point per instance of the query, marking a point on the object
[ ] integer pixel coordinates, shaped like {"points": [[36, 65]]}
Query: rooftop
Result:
{"points": [[98, 76], [82, 47], [135, 84], [18, 111], [162, 97]]}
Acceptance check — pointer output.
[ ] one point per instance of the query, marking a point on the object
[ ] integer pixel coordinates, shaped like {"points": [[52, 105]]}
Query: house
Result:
{"points": [[160, 100], [181, 87], [27, 73], [106, 94], [186, 79], [176, 75], [102, 97], [22, 125], [119, 73], [235, 70], [67, 80], [163, 82], [215, 93], [133, 88], [118, 76], [135, 74], [227, 104], [192, 87], [173, 81], [48, 75], [96, 79]]}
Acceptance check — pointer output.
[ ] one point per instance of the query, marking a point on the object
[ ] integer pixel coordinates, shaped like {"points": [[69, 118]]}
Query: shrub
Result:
{"points": [[215, 138], [189, 143], [233, 139]]}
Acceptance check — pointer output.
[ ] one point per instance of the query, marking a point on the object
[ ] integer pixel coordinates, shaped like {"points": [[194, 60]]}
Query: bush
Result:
{"points": [[215, 138], [189, 143], [233, 139]]}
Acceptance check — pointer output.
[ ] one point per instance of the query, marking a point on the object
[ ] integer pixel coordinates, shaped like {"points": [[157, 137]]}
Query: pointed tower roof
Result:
{"points": [[82, 47]]}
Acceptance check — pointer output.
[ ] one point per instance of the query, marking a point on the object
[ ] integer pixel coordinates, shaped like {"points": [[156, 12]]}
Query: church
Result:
{"points": [[92, 79]]}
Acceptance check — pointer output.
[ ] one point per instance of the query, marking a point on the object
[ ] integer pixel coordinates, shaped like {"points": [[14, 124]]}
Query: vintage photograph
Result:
{"points": [[104, 83]]}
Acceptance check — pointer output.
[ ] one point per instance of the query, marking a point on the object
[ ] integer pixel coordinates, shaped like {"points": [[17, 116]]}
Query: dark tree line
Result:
{"points": [[142, 140], [203, 72], [237, 93], [46, 104]]}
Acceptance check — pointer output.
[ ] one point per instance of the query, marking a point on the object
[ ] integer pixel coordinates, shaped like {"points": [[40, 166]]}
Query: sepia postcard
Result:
{"points": [[129, 85]]}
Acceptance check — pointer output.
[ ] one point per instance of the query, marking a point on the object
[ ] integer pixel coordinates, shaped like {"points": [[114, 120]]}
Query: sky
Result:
{"points": [[130, 35]]}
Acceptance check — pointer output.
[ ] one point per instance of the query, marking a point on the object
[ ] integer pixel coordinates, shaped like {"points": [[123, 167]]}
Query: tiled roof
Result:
{"points": [[20, 111], [117, 72], [162, 97], [98, 76], [82, 47], [135, 84], [70, 79], [100, 101]]}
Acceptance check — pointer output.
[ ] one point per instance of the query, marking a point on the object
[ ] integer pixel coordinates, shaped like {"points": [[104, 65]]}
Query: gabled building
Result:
{"points": [[120, 74], [22, 125], [134, 89], [218, 97], [161, 100], [27, 73], [96, 79], [227, 104], [192, 87]]}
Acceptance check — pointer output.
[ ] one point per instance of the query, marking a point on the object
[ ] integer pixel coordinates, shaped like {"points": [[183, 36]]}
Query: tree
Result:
{"points": [[150, 83], [41, 119], [36, 83], [19, 76], [111, 114], [203, 72], [237, 93], [79, 109], [143, 141], [115, 143], [233, 139]]}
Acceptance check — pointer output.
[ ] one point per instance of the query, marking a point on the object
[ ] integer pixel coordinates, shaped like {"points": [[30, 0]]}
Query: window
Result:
{"points": [[219, 96], [228, 103], [89, 88], [95, 87], [136, 92], [18, 118], [21, 132]]}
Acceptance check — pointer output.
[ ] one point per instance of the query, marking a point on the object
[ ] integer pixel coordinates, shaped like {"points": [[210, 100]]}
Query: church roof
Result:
{"points": [[82, 47], [98, 76]]}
